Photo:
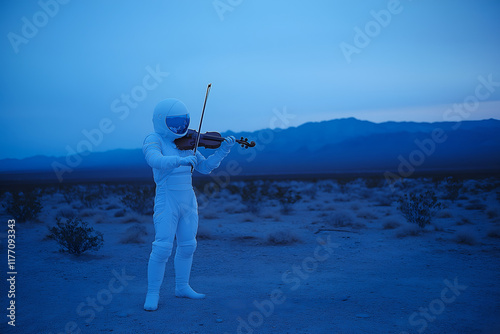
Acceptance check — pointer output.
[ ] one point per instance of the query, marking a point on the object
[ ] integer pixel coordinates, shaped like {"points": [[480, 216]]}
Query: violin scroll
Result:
{"points": [[244, 142]]}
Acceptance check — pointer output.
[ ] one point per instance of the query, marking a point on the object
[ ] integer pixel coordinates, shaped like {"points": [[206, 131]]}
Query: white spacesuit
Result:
{"points": [[175, 208]]}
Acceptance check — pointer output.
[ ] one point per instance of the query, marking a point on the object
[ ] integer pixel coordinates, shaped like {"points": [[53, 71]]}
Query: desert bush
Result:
{"points": [[87, 213], [250, 196], [365, 193], [282, 238], [286, 196], [383, 200], [24, 206], [343, 219], [466, 238], [492, 213], [100, 219], [66, 212], [406, 231], [438, 228], [390, 225], [475, 206], [374, 182], [266, 189], [444, 214], [310, 191], [75, 236], [489, 185], [464, 221], [366, 215], [112, 207], [419, 209], [342, 198], [203, 233], [119, 213], [247, 218], [134, 235], [69, 193], [327, 187], [210, 215], [140, 199], [343, 184], [452, 188], [131, 218], [323, 214], [89, 195], [494, 233], [233, 189]]}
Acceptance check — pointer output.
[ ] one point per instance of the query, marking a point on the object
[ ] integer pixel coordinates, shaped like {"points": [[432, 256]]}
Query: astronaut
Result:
{"points": [[175, 208]]}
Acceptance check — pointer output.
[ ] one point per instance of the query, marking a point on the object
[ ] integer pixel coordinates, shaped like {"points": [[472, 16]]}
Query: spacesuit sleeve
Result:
{"points": [[152, 152], [206, 165]]}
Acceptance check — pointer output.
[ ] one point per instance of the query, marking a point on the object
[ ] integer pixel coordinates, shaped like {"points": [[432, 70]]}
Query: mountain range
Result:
{"points": [[329, 147]]}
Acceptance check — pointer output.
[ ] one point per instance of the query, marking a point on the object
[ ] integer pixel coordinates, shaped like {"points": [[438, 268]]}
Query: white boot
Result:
{"points": [[182, 264]]}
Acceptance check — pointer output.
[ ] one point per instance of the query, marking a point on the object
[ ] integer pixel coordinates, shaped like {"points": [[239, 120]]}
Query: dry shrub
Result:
{"points": [[87, 213], [210, 215], [475, 206], [444, 214], [344, 219], [66, 212], [465, 238], [247, 218], [406, 231], [100, 219], [464, 221], [492, 213], [494, 233], [282, 238], [132, 218], [119, 213], [341, 219], [391, 224], [383, 200], [204, 233], [112, 206], [366, 215], [134, 235], [75, 236]]}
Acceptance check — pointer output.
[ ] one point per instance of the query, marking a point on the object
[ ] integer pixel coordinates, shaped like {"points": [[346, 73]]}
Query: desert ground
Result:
{"points": [[273, 256]]}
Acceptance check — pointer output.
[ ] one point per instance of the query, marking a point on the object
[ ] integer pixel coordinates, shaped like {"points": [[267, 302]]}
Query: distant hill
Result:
{"points": [[336, 146]]}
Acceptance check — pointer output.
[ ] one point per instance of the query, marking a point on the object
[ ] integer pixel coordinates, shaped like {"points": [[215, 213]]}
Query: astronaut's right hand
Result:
{"points": [[189, 161]]}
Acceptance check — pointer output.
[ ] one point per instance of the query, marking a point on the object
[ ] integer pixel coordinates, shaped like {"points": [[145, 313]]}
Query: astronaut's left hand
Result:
{"points": [[228, 143]]}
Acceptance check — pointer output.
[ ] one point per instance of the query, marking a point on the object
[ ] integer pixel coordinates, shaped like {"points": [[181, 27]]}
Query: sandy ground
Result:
{"points": [[350, 265]]}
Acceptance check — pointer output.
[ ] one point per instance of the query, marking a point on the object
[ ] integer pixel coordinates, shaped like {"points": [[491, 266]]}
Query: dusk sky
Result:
{"points": [[68, 69]]}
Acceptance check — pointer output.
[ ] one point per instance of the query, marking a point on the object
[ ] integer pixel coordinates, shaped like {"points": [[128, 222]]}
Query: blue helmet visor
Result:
{"points": [[178, 124]]}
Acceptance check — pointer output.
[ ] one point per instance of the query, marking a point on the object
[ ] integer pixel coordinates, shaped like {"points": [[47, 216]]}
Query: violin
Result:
{"points": [[208, 140]]}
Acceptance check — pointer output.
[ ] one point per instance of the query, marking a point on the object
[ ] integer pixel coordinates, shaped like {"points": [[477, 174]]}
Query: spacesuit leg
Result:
{"points": [[156, 271], [165, 227], [186, 245]]}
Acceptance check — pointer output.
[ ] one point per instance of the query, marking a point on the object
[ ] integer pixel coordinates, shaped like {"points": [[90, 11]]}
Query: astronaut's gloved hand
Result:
{"points": [[189, 161], [228, 143]]}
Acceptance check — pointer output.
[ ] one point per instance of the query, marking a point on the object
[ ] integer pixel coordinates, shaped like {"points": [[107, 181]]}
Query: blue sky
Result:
{"points": [[74, 73]]}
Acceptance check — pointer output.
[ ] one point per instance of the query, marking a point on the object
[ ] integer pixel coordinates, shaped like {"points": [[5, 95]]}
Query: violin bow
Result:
{"points": [[201, 121]]}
